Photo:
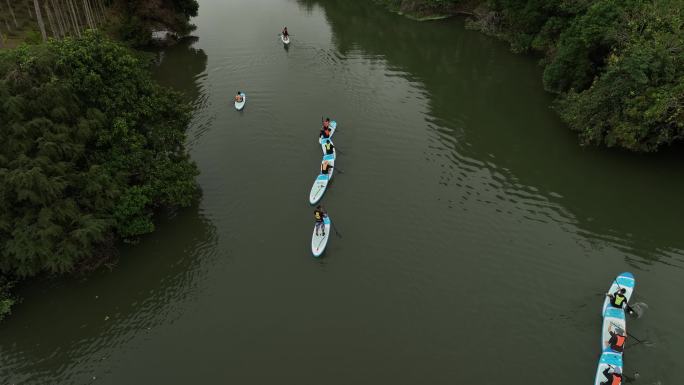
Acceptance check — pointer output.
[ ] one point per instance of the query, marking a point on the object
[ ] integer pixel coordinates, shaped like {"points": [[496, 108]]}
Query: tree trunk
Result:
{"points": [[51, 21], [89, 12], [41, 24], [58, 19], [2, 42], [12, 13], [74, 19], [78, 14], [88, 16]]}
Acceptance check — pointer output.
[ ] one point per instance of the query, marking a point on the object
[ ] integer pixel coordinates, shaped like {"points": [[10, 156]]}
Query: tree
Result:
{"points": [[92, 148], [40, 20]]}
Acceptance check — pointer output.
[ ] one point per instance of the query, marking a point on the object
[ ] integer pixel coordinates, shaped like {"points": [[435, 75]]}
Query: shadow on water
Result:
{"points": [[490, 112], [146, 290]]}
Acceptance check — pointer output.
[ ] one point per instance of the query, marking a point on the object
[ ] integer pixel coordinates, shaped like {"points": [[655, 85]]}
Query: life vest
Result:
{"points": [[617, 379], [619, 298], [328, 147], [619, 343], [317, 215]]}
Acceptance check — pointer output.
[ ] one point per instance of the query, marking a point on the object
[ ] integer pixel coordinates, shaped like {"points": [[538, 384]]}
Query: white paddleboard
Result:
{"points": [[286, 40], [613, 319], [623, 281], [608, 360], [321, 182], [318, 242], [240, 106]]}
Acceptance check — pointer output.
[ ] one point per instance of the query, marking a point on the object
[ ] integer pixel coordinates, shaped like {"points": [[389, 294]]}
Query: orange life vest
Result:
{"points": [[617, 379], [620, 341]]}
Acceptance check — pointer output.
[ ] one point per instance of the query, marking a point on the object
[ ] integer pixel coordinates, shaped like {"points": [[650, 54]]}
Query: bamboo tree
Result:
{"points": [[58, 18], [28, 6], [74, 19], [41, 24], [50, 20], [12, 13], [88, 16], [78, 15]]}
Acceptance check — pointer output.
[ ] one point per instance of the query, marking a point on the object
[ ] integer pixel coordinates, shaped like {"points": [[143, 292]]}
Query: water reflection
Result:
{"points": [[150, 287], [183, 68], [531, 158]]}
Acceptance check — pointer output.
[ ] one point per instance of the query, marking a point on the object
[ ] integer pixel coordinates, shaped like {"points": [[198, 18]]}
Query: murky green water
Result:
{"points": [[477, 237]]}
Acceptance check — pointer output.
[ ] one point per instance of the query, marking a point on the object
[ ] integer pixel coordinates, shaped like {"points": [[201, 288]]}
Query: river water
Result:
{"points": [[476, 238]]}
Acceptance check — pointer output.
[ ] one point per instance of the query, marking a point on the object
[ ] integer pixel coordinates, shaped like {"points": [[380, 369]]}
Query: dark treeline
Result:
{"points": [[617, 66], [91, 148], [133, 21]]}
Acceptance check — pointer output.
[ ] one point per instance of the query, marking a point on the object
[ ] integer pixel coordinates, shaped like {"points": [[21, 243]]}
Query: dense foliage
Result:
{"points": [[617, 65], [91, 147], [141, 17]]}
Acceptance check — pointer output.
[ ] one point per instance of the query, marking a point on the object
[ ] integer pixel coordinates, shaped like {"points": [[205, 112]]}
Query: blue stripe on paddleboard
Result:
{"points": [[323, 177], [611, 358], [614, 312], [625, 282], [326, 220], [329, 157]]}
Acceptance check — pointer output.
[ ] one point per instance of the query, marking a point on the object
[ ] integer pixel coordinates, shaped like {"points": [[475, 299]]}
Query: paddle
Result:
{"points": [[332, 224], [335, 228], [645, 342]]}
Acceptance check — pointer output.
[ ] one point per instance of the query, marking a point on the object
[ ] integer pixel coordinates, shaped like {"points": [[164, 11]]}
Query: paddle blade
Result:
{"points": [[639, 309]]}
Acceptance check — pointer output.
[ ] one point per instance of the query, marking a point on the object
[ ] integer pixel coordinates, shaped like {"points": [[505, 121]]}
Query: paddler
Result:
{"points": [[326, 167], [319, 214], [617, 340], [619, 300], [285, 33], [325, 131], [329, 147], [612, 378], [238, 97]]}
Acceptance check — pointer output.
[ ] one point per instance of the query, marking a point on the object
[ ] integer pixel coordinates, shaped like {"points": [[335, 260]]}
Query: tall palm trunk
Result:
{"points": [[41, 24]]}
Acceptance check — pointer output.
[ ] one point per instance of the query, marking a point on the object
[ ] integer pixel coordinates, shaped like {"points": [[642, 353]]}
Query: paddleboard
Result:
{"points": [[318, 242], [607, 360], [613, 319], [623, 281], [240, 106], [323, 142], [333, 126], [321, 182], [286, 40]]}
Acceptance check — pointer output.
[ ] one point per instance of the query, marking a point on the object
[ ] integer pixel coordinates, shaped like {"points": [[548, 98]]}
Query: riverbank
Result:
{"points": [[617, 69], [123, 167]]}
